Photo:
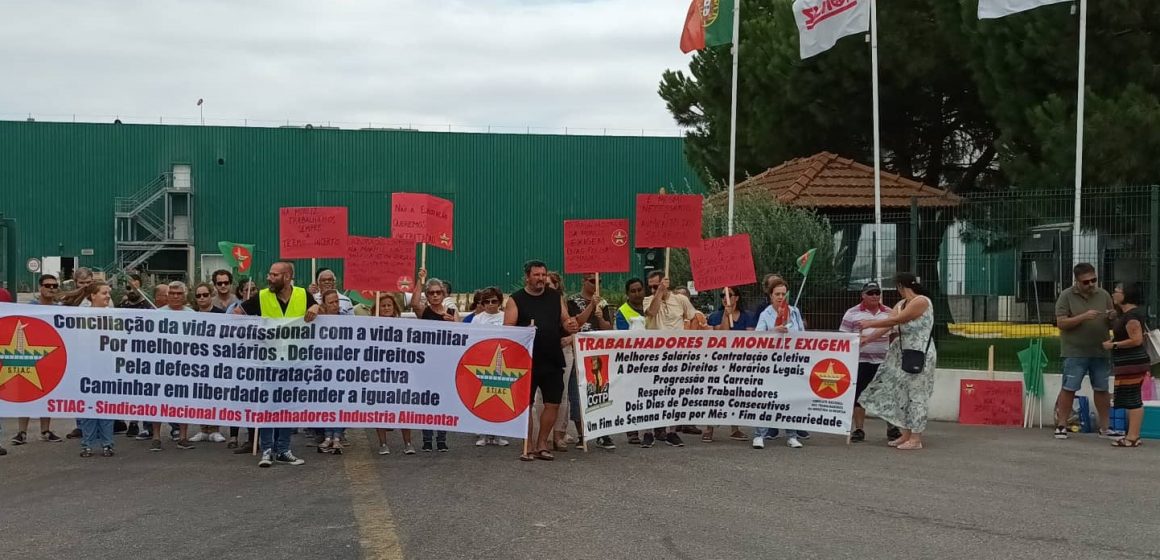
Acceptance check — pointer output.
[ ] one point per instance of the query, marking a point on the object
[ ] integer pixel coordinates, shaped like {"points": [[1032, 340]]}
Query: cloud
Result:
{"points": [[423, 62]]}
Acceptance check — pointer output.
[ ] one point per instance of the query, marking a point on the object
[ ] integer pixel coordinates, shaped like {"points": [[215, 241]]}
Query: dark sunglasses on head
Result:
{"points": [[221, 283], [874, 293], [1089, 282], [201, 295], [50, 286]]}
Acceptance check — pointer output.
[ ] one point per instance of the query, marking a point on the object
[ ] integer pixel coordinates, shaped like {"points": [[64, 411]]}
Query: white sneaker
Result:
{"points": [[408, 449], [217, 437], [759, 442], [384, 450], [200, 436], [501, 442], [267, 458], [792, 441], [482, 441]]}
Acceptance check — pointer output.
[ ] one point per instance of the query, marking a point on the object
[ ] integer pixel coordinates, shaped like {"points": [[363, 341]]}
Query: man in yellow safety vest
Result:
{"points": [[280, 300]]}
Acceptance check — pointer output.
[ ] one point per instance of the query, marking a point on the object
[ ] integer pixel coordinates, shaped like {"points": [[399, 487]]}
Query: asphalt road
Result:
{"points": [[973, 493]]}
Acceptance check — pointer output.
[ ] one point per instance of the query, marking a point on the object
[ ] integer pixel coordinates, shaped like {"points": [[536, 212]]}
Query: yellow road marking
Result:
{"points": [[376, 527]]}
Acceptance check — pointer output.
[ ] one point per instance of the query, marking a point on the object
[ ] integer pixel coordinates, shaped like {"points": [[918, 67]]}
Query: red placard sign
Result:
{"points": [[668, 220], [312, 232], [595, 246], [722, 261], [380, 264], [991, 403], [424, 219]]}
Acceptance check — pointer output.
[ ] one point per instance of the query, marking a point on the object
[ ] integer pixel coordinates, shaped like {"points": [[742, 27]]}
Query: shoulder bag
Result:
{"points": [[913, 361]]}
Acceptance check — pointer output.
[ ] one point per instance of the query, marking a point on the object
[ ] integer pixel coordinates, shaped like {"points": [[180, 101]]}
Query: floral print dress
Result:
{"points": [[896, 396]]}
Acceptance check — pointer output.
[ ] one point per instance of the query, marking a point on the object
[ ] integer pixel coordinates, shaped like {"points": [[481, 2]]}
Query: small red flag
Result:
{"points": [[693, 35]]}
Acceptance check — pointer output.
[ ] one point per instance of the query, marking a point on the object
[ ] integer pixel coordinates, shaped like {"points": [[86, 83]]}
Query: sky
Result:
{"points": [[582, 64]]}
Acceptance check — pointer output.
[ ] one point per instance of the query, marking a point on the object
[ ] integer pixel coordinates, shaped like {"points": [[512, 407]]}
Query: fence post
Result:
{"points": [[1153, 250], [914, 236]]}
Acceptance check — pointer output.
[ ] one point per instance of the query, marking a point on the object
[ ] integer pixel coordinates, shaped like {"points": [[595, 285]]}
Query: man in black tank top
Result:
{"points": [[544, 308]]}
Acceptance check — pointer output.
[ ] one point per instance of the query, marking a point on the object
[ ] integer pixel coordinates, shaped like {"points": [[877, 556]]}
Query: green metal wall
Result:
{"points": [[511, 191]]}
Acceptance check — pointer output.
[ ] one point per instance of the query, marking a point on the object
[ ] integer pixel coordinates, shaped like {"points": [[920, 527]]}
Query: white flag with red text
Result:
{"points": [[822, 22], [991, 9]]}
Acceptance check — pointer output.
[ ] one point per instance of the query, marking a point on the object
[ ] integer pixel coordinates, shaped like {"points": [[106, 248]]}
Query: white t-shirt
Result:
{"points": [[484, 318]]}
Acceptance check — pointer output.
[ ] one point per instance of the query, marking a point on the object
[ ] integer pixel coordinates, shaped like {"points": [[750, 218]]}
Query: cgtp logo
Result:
{"points": [[494, 379], [32, 359]]}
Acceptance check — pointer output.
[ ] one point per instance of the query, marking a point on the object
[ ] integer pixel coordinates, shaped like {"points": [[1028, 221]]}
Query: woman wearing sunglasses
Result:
{"points": [[489, 314], [433, 309]]}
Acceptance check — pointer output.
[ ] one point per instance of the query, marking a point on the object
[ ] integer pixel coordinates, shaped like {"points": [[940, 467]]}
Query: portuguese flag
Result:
{"points": [[365, 297], [708, 24], [239, 256], [805, 261]]}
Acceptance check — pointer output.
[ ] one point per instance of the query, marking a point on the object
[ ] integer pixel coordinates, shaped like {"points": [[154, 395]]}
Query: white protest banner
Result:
{"points": [[638, 380], [822, 22], [207, 368]]}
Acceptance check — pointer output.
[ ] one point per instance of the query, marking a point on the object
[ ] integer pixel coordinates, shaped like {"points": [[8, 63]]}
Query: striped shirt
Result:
{"points": [[871, 352]]}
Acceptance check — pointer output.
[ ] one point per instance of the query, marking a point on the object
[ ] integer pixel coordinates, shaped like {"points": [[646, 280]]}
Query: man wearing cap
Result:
{"points": [[871, 353]]}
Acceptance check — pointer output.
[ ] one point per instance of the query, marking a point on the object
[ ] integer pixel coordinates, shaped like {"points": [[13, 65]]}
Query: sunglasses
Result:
{"points": [[491, 301], [874, 293], [221, 283], [50, 286], [1089, 282], [201, 295], [589, 280], [435, 292]]}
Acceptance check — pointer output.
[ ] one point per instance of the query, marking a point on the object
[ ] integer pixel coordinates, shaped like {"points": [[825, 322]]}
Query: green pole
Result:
{"points": [[1154, 251], [914, 235], [10, 253]]}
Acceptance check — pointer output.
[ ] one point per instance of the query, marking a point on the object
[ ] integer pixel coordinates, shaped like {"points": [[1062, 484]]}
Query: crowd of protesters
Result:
{"points": [[885, 387]]}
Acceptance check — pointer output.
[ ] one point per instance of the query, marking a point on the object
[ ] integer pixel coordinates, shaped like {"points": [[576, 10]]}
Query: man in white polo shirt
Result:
{"points": [[871, 353]]}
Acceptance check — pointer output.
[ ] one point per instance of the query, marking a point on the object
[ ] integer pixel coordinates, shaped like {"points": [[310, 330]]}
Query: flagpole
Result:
{"points": [[877, 143], [733, 110], [1079, 110]]}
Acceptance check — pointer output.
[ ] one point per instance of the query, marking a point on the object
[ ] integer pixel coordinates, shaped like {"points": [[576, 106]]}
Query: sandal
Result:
{"points": [[527, 457], [86, 452], [738, 436], [707, 436], [544, 455], [909, 445], [559, 446], [1125, 442], [233, 444]]}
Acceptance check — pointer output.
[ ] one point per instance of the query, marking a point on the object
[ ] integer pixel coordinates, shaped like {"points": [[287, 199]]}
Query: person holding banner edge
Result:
{"points": [[779, 317], [281, 299], [590, 311], [671, 311], [544, 308], [432, 310], [732, 316]]}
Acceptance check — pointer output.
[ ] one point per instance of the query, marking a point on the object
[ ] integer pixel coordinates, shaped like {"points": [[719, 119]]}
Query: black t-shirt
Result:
{"points": [[577, 304], [139, 304], [544, 309], [430, 314], [1129, 356]]}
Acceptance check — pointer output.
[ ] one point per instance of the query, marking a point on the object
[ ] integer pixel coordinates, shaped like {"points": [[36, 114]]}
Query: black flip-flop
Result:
{"points": [[544, 455]]}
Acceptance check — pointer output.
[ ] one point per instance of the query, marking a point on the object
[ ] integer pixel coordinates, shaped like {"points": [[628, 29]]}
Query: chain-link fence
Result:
{"points": [[995, 264]]}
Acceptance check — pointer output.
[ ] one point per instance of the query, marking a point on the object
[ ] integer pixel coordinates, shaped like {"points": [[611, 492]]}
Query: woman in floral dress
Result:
{"points": [[897, 396]]}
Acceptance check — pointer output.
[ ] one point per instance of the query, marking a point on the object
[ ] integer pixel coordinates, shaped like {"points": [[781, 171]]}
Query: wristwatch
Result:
{"points": [[1115, 345]]}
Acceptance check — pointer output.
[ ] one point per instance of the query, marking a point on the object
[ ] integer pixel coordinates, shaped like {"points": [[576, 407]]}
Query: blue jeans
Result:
{"points": [[441, 435], [574, 396], [96, 433], [334, 433], [276, 439], [1099, 369]]}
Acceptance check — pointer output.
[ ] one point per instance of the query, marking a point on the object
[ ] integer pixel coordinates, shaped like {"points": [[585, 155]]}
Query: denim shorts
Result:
{"points": [[1099, 369]]}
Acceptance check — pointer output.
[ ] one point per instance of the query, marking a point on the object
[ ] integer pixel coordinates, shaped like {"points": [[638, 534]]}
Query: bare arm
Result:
{"points": [[417, 294], [1066, 323], [1135, 337], [511, 313], [655, 305], [912, 311], [571, 326]]}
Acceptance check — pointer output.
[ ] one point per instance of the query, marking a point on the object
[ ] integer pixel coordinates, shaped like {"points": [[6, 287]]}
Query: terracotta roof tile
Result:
{"points": [[826, 180]]}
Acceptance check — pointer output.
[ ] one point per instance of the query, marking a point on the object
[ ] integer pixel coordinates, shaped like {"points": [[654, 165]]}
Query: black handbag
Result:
{"points": [[913, 361]]}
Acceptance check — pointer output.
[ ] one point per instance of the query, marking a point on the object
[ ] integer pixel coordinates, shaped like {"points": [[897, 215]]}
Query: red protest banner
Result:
{"points": [[722, 261], [423, 218], [595, 246], [312, 232], [668, 220], [380, 264], [991, 403]]}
